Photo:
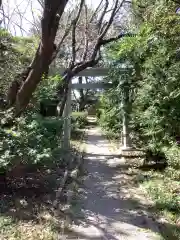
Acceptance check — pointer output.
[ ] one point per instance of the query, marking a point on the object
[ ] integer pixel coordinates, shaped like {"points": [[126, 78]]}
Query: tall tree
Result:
{"points": [[21, 90]]}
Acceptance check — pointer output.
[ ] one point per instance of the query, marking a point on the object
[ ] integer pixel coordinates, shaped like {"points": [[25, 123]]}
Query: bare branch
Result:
{"points": [[96, 11], [20, 14], [3, 19], [85, 65], [34, 19], [41, 3], [9, 17], [14, 24], [74, 24], [105, 29], [106, 41], [86, 42], [102, 16], [59, 45], [103, 33]]}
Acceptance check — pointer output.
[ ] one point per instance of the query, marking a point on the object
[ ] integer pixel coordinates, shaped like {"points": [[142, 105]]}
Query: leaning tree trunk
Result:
{"points": [[20, 91], [41, 66]]}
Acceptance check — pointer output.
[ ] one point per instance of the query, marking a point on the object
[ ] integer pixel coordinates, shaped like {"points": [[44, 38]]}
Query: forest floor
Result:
{"points": [[111, 206]]}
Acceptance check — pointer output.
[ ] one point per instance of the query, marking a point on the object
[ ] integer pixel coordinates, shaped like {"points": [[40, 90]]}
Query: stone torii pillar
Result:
{"points": [[67, 120], [125, 121]]}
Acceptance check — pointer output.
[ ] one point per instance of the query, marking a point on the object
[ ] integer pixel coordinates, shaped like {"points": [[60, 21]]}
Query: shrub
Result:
{"points": [[16, 53], [173, 156], [165, 200], [79, 119], [109, 113], [33, 140]]}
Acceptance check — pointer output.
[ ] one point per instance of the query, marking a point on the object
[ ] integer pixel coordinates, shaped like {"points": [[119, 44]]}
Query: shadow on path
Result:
{"points": [[107, 208]]}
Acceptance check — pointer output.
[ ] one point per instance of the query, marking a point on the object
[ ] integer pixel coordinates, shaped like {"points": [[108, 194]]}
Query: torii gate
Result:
{"points": [[91, 72]]}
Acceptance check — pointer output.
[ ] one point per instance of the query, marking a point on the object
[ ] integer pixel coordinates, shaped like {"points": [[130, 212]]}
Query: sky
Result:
{"points": [[20, 15], [29, 10]]}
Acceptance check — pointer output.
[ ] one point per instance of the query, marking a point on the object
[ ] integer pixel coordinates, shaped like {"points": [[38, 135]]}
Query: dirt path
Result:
{"points": [[107, 210]]}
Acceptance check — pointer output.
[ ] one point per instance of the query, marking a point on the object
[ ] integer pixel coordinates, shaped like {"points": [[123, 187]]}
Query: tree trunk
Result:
{"points": [[82, 98], [21, 90], [40, 67], [82, 105]]}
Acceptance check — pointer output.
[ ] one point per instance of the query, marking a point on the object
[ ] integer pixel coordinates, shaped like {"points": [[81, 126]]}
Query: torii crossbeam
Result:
{"points": [[91, 72]]}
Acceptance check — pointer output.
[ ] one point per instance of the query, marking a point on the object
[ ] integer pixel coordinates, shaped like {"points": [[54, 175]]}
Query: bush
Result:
{"points": [[165, 195], [79, 119], [16, 54], [109, 113], [33, 140], [173, 156]]}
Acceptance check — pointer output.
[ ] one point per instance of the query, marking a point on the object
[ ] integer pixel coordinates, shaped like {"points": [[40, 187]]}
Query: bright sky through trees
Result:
{"points": [[18, 16]]}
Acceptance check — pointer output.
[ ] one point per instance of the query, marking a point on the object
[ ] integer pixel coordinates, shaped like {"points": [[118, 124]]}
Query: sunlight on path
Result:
{"points": [[106, 210]]}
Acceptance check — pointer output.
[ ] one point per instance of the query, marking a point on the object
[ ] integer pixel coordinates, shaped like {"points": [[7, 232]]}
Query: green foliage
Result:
{"points": [[79, 119], [154, 83], [16, 53], [173, 157], [109, 113], [164, 199], [47, 89], [165, 193], [34, 140]]}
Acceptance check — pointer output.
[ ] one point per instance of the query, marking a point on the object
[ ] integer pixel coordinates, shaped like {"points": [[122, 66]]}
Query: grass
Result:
{"points": [[14, 230], [165, 193]]}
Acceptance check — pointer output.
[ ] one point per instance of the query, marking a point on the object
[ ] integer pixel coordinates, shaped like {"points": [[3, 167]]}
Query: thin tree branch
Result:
{"points": [[3, 13], [105, 29], [102, 16], [10, 16], [74, 24], [37, 29], [86, 42], [41, 2], [15, 24], [103, 33], [96, 11], [106, 41]]}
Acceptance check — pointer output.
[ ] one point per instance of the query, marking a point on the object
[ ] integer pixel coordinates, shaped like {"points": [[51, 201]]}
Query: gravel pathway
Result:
{"points": [[108, 212]]}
